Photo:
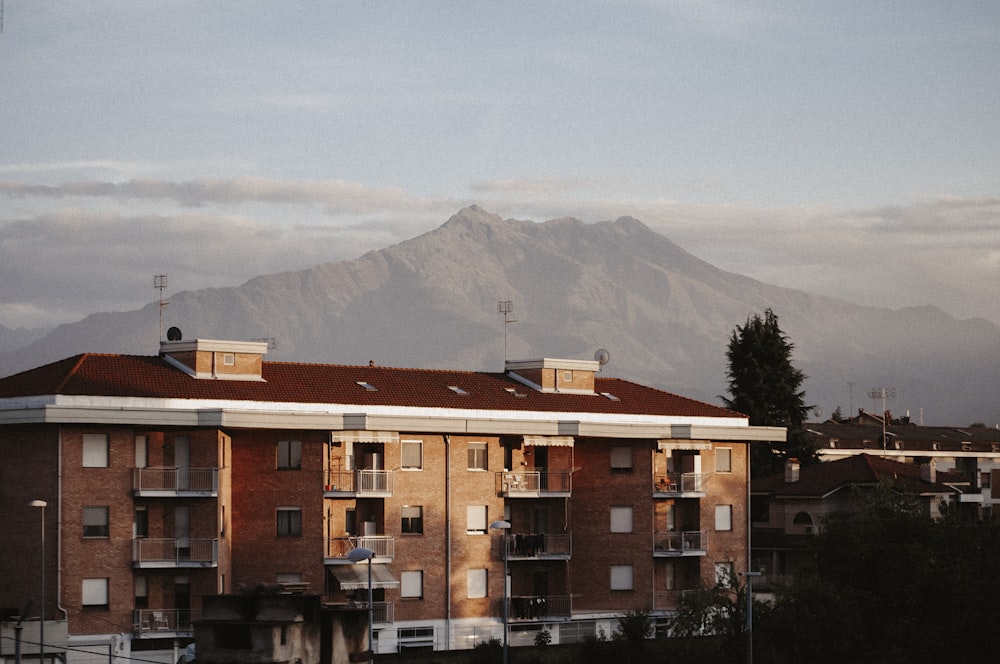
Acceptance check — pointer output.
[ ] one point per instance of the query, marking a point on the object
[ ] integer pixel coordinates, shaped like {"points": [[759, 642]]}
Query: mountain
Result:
{"points": [[664, 315]]}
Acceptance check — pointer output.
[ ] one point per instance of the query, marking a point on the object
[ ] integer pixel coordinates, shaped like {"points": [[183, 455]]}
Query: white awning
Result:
{"points": [[669, 445], [364, 437], [355, 577], [549, 441]]}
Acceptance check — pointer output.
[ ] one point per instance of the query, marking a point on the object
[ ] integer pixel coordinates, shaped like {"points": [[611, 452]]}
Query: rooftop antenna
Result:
{"points": [[160, 282], [506, 307], [883, 393], [272, 342]]}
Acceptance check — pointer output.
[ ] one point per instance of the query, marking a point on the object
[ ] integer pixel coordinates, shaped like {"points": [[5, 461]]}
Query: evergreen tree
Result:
{"points": [[765, 386]]}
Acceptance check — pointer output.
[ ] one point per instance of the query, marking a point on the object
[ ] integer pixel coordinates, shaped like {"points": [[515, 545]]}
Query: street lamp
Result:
{"points": [[357, 555], [41, 622], [749, 624], [503, 526]]}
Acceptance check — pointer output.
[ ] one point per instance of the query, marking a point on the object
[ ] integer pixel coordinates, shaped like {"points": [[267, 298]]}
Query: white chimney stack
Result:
{"points": [[791, 470]]}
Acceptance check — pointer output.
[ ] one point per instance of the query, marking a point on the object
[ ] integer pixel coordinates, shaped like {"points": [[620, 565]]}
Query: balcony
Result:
{"points": [[670, 600], [172, 553], [677, 544], [540, 607], [175, 482], [359, 484], [534, 484], [539, 546], [679, 485], [338, 548], [159, 623]]}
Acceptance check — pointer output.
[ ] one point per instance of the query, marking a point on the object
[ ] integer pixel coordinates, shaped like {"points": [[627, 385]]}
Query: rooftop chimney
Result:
{"points": [[928, 471], [791, 470]]}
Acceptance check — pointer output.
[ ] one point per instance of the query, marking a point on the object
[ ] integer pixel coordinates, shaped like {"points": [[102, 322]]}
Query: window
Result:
{"points": [[95, 450], [413, 520], [621, 519], [670, 575], [95, 594], [289, 454], [724, 574], [723, 517], [621, 459], [477, 582], [724, 460], [141, 523], [621, 577], [567, 376], [228, 359], [141, 593], [95, 522], [411, 584], [289, 521], [412, 454], [475, 519], [477, 456], [141, 452]]}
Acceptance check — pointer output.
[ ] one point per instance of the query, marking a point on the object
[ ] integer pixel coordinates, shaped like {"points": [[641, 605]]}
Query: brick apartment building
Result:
{"points": [[205, 470]]}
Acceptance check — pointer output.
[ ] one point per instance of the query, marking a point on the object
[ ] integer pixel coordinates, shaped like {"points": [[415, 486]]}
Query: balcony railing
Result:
{"points": [[175, 481], [669, 600], [539, 545], [382, 612], [678, 484], [535, 607], [162, 622], [338, 548], [533, 484], [687, 543], [150, 552], [350, 483]]}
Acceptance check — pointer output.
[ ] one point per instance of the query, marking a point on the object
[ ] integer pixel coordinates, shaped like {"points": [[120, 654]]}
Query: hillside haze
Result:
{"points": [[664, 315]]}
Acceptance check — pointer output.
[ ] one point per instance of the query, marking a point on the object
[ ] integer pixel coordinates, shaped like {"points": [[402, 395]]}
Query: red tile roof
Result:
{"points": [[145, 376], [824, 478]]}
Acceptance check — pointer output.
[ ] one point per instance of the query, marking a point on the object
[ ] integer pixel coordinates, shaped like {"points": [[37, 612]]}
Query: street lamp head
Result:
{"points": [[38, 503], [500, 525], [359, 554]]}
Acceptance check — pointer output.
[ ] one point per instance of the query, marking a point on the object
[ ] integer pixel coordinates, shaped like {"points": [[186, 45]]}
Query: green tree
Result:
{"points": [[767, 388]]}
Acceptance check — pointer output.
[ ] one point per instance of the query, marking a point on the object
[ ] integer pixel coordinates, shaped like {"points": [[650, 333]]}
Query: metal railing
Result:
{"points": [[175, 480], [533, 483], [539, 545], [678, 483], [534, 607], [384, 546], [157, 621], [669, 600], [147, 551], [690, 542], [360, 482]]}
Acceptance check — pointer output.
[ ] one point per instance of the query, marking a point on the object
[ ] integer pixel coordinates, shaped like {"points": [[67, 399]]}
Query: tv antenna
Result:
{"points": [[160, 282], [883, 393], [506, 307]]}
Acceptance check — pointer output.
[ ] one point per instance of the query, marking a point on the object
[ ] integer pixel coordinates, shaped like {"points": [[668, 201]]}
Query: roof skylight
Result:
{"points": [[368, 386]]}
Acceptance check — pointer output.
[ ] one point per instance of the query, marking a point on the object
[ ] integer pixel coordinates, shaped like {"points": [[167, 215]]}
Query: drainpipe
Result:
{"points": [[447, 539], [59, 473]]}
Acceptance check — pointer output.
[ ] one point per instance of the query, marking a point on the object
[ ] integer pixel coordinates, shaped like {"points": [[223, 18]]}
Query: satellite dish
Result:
{"points": [[174, 334], [602, 356]]}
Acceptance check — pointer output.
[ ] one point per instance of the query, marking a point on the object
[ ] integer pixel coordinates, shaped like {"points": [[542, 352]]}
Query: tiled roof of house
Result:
{"points": [[822, 479], [285, 382], [908, 437]]}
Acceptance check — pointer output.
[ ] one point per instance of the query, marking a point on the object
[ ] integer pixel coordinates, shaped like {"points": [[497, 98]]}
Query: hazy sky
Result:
{"points": [[843, 148]]}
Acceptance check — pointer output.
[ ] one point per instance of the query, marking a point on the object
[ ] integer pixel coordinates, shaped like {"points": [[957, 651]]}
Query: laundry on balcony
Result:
{"points": [[527, 607], [527, 544]]}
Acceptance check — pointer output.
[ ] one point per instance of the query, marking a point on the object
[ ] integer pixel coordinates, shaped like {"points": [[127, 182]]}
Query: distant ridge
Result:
{"points": [[664, 315]]}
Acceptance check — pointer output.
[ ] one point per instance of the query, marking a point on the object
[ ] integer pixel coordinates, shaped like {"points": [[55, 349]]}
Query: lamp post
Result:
{"points": [[41, 621], [357, 555], [749, 623], [503, 526]]}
